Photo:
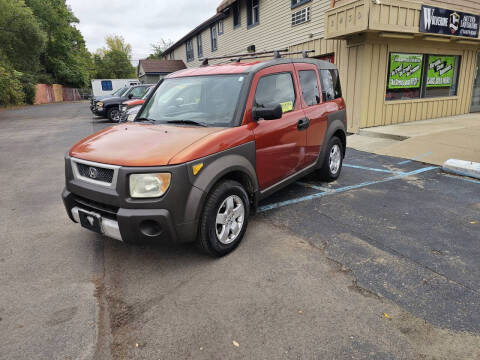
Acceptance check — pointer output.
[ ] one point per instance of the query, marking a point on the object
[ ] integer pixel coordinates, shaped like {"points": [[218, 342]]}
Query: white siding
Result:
{"points": [[274, 31]]}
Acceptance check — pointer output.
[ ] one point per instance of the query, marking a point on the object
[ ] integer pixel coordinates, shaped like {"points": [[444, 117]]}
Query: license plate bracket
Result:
{"points": [[90, 221]]}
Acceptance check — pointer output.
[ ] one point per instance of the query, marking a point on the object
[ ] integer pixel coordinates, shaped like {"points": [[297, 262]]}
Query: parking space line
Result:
{"points": [[342, 189], [316, 187], [415, 158], [372, 169]]}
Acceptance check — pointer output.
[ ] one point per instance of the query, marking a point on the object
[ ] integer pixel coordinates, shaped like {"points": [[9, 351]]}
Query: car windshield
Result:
{"points": [[120, 91], [206, 100]]}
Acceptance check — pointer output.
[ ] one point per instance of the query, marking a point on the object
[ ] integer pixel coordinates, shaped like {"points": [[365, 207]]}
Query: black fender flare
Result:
{"points": [[214, 169], [333, 126]]}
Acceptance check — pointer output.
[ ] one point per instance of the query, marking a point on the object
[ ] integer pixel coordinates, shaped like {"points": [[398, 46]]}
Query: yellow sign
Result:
{"points": [[287, 106]]}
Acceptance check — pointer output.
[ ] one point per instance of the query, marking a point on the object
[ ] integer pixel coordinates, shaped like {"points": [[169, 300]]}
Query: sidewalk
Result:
{"points": [[430, 141]]}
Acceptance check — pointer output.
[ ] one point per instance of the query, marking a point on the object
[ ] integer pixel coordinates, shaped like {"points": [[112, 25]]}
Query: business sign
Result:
{"points": [[448, 22], [440, 71], [405, 71]]}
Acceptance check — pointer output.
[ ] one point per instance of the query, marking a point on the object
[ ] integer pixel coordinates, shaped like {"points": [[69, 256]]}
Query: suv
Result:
{"points": [[109, 107], [205, 148]]}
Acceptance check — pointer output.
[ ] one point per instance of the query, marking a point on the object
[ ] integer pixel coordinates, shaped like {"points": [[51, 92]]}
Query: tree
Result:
{"points": [[21, 39], [113, 61], [65, 55], [159, 48]]}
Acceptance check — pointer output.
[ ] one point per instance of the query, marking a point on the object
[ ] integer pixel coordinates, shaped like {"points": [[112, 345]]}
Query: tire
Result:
{"points": [[218, 234], [333, 160], [113, 114]]}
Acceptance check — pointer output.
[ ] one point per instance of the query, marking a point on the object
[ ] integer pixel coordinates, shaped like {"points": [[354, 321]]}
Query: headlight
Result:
{"points": [[149, 185], [99, 104]]}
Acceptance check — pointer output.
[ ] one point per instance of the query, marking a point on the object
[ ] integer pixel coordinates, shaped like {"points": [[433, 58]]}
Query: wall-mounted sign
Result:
{"points": [[440, 71], [448, 22], [405, 71]]}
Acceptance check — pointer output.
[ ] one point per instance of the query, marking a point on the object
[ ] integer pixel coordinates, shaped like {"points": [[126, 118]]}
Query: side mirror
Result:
{"points": [[268, 113], [130, 96]]}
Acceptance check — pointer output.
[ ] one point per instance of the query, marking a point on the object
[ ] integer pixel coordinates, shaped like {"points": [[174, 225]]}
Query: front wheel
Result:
{"points": [[332, 163], [113, 115], [224, 219]]}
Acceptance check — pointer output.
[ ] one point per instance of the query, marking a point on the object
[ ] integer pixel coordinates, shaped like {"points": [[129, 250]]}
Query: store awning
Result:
{"points": [[225, 4]]}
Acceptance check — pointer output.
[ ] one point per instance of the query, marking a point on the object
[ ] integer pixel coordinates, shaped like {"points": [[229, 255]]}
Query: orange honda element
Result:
{"points": [[208, 144]]}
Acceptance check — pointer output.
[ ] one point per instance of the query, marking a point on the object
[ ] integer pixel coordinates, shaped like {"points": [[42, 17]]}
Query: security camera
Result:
{"points": [[377, 2]]}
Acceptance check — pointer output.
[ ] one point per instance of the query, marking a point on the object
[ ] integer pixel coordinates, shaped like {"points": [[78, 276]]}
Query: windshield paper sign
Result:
{"points": [[405, 71], [440, 71], [448, 22]]}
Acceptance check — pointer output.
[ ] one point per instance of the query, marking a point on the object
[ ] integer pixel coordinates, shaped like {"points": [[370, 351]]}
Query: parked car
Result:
{"points": [[109, 107], [135, 104], [95, 99], [207, 146]]}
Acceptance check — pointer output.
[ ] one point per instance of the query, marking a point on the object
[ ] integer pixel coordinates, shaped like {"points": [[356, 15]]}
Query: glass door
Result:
{"points": [[476, 88]]}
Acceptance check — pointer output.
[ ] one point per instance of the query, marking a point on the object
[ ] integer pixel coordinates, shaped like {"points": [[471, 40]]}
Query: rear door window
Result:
{"points": [[330, 84], [276, 89], [309, 84]]}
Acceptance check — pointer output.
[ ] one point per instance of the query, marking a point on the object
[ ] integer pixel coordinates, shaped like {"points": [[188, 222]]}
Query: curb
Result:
{"points": [[462, 167]]}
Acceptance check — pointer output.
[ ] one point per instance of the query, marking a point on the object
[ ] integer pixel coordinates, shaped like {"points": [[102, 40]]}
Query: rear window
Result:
{"points": [[309, 84], [276, 89], [330, 84]]}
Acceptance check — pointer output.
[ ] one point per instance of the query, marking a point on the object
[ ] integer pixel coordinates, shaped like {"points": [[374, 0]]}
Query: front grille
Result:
{"points": [[105, 210], [96, 173]]}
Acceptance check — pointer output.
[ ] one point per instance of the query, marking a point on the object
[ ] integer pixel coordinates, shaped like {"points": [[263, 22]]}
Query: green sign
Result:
{"points": [[405, 71], [440, 71]]}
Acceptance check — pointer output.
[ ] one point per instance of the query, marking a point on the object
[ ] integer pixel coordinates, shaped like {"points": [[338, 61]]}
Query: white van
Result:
{"points": [[102, 87]]}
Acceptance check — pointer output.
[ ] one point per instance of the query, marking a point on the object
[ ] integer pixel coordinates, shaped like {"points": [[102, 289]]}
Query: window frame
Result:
{"points": [[275, 74], [220, 27], [199, 45], [298, 3], [213, 40], [296, 19], [236, 10], [189, 50], [423, 88], [251, 13]]}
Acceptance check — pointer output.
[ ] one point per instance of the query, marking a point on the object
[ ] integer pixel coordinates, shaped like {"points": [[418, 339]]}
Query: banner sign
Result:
{"points": [[448, 22], [405, 71], [440, 71]]}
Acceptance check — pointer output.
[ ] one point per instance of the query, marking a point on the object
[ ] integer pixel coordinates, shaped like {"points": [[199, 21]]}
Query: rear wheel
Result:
{"points": [[332, 163], [224, 219], [113, 114]]}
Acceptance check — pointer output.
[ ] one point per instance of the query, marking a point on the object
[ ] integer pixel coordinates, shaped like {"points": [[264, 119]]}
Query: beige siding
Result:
{"points": [[273, 32], [465, 5]]}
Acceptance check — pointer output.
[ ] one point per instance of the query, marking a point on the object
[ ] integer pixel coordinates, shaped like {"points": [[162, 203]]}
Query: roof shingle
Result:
{"points": [[161, 66]]}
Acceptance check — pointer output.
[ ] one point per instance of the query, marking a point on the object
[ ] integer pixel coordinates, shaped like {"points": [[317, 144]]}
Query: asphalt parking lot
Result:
{"points": [[382, 264]]}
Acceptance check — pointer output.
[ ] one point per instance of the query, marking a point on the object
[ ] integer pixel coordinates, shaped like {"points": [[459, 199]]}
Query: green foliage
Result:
{"points": [[21, 39], [10, 86], [115, 64], [159, 48]]}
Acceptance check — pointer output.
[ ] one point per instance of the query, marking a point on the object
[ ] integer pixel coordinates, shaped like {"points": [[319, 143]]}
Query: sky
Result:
{"points": [[140, 22]]}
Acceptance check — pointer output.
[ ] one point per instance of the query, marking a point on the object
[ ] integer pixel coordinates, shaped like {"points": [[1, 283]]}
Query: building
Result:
{"points": [[399, 60], [150, 71]]}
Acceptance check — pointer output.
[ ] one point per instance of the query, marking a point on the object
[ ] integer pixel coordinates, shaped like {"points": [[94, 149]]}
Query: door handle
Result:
{"points": [[303, 124]]}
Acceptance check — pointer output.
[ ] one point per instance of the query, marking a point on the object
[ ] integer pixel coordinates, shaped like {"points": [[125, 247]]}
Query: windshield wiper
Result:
{"points": [[142, 119], [187, 122]]}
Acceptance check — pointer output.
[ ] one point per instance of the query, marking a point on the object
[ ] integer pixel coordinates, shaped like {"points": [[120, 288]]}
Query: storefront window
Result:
{"points": [[415, 76]]}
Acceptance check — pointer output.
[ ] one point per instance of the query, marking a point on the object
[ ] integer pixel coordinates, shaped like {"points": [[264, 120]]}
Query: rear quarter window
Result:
{"points": [[330, 82]]}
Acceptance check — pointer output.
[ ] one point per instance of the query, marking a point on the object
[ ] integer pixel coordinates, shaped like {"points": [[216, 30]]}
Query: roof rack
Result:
{"points": [[304, 55], [277, 54]]}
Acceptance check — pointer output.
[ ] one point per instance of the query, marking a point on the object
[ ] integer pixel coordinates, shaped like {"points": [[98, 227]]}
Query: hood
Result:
{"points": [[138, 144], [115, 99]]}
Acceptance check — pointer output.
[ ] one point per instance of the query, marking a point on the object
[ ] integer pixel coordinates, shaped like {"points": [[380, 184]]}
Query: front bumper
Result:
{"points": [[172, 218]]}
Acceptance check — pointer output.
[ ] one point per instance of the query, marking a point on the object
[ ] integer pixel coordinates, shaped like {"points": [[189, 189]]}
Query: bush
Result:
{"points": [[28, 86], [11, 90]]}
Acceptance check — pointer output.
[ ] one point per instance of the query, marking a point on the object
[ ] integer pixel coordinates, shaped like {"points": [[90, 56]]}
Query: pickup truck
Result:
{"points": [[205, 148]]}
